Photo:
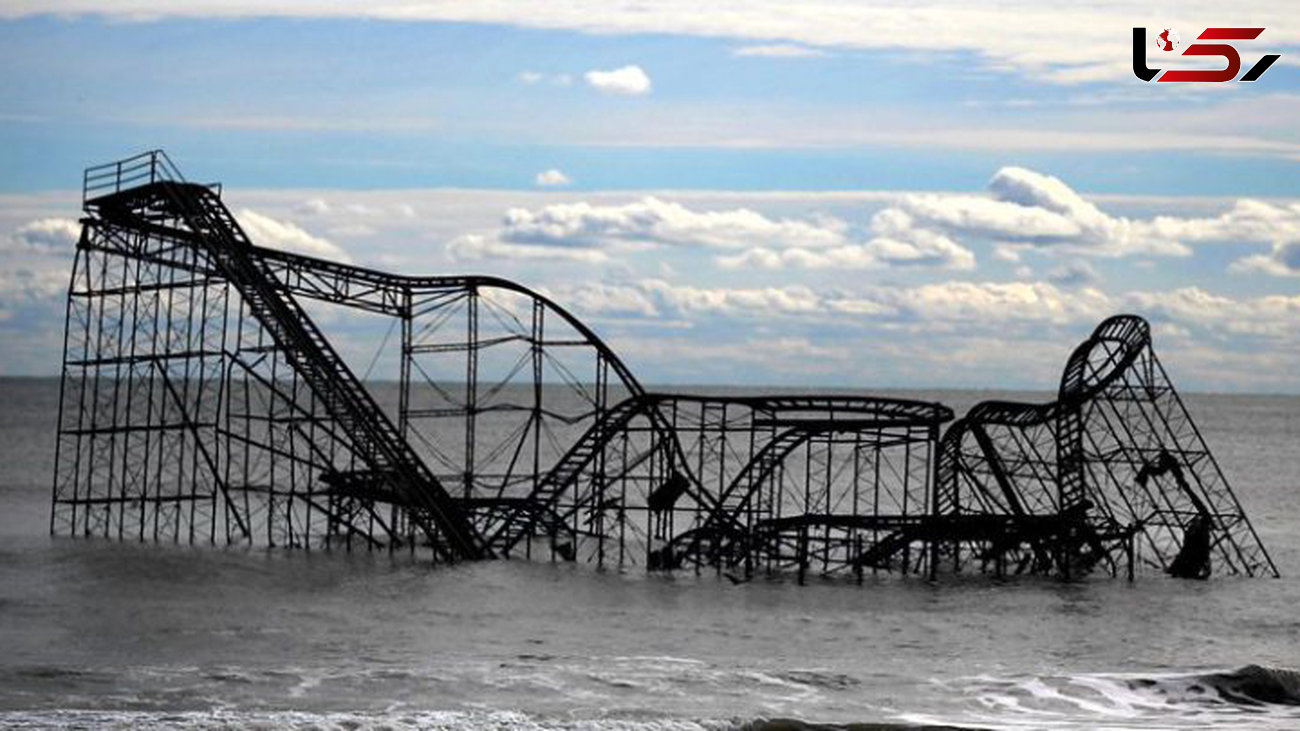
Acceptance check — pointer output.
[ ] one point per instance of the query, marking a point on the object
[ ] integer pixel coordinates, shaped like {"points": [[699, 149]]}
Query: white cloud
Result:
{"points": [[686, 300], [314, 207], [991, 304], [607, 299], [1026, 210], [1029, 209], [47, 236], [532, 78], [1261, 334], [932, 305], [1073, 274], [1098, 46], [1007, 252], [653, 221], [288, 236], [778, 50], [559, 231], [23, 285], [692, 322], [914, 248], [1000, 321], [37, 290], [1022, 211], [789, 358], [1282, 261], [1249, 220], [625, 81], [477, 247], [551, 177]]}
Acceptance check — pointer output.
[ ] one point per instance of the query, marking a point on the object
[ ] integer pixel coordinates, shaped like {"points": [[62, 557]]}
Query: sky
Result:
{"points": [[943, 193]]}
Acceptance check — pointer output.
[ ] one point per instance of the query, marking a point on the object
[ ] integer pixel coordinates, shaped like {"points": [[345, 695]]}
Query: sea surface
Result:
{"points": [[123, 634]]}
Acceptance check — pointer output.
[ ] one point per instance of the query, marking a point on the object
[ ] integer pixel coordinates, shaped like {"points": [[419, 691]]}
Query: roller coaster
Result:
{"points": [[201, 402]]}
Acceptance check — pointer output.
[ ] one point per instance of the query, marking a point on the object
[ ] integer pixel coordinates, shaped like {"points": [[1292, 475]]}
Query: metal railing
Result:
{"points": [[142, 169]]}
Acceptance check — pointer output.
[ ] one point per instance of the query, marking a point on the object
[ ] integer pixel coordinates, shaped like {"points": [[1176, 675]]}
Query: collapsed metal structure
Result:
{"points": [[202, 403]]}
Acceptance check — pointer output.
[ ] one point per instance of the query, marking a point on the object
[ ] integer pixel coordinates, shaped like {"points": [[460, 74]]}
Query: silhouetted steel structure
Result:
{"points": [[202, 402], [1114, 471]]}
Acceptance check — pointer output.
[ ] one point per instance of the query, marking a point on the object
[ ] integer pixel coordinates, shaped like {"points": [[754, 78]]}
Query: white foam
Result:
{"points": [[430, 720], [1118, 702]]}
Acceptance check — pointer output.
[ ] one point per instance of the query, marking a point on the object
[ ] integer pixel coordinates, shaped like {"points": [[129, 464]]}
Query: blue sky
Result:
{"points": [[914, 194]]}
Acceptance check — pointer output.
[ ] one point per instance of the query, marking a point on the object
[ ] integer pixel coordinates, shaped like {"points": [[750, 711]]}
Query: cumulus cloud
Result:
{"points": [[46, 236], [989, 310], [942, 303], [896, 242], [778, 50], [953, 332], [551, 177], [1282, 261], [1251, 220], [288, 236], [1268, 316], [606, 299], [993, 303], [753, 239], [918, 248], [1073, 274], [652, 221], [477, 247], [625, 81], [1027, 209]]}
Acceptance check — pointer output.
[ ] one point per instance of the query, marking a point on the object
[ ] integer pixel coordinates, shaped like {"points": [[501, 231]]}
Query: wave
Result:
{"points": [[790, 724], [622, 694], [1254, 685], [401, 721], [1251, 697]]}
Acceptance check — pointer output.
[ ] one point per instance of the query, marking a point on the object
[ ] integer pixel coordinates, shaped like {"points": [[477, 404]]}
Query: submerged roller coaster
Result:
{"points": [[201, 402]]}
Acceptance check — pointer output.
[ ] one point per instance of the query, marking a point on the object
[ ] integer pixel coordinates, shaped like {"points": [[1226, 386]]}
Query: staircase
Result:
{"points": [[1070, 457], [375, 439]]}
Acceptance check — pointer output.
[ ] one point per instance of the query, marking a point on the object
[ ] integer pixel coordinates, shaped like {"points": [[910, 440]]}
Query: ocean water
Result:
{"points": [[122, 634]]}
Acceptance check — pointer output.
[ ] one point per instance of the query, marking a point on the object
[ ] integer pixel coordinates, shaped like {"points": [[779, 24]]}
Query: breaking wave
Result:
{"points": [[1254, 685], [1250, 697]]}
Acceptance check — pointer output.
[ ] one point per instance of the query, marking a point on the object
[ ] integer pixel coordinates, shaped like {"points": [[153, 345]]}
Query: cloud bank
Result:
{"points": [[1022, 211], [588, 232], [1096, 46], [272, 233]]}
